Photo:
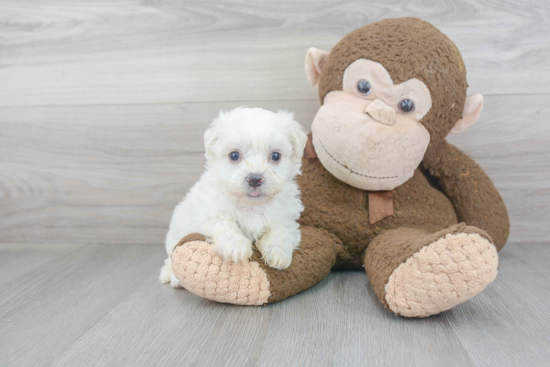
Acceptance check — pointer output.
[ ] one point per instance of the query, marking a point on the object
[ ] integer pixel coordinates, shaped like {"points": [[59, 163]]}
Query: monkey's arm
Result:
{"points": [[473, 194]]}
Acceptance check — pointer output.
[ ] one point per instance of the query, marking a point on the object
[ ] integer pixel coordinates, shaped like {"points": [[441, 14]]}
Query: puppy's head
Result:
{"points": [[254, 152]]}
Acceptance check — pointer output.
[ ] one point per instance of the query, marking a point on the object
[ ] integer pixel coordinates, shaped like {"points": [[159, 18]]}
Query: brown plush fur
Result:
{"points": [[190, 238], [310, 264], [334, 206]]}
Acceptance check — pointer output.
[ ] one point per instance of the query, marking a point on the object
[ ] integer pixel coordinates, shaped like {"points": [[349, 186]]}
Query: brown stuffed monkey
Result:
{"points": [[382, 189]]}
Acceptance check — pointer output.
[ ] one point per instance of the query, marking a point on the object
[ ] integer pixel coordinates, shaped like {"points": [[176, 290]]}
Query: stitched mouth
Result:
{"points": [[352, 171]]}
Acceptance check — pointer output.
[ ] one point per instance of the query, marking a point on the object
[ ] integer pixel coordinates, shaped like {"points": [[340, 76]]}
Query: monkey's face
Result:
{"points": [[368, 134]]}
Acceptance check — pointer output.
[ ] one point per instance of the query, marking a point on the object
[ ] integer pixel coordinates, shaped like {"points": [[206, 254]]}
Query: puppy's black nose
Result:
{"points": [[255, 180]]}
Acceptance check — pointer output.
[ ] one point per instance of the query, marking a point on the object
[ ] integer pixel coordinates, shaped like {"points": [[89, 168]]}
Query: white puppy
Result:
{"points": [[248, 191]]}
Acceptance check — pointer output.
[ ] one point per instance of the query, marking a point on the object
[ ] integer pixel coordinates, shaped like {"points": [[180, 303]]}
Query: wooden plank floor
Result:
{"points": [[74, 305]]}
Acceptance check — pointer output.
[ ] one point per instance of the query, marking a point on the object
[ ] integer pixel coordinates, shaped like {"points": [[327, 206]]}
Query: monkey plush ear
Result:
{"points": [[472, 110], [315, 60]]}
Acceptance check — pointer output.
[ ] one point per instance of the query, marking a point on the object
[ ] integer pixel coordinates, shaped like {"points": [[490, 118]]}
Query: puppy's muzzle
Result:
{"points": [[255, 180]]}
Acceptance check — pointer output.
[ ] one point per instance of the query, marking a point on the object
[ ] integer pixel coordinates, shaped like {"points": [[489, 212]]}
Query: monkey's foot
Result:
{"points": [[441, 275], [202, 271]]}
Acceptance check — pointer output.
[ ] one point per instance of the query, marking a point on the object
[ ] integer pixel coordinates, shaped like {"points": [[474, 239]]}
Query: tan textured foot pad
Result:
{"points": [[202, 271], [442, 275]]}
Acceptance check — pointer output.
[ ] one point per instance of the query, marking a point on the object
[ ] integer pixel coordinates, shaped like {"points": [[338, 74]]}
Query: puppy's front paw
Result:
{"points": [[236, 248], [275, 256]]}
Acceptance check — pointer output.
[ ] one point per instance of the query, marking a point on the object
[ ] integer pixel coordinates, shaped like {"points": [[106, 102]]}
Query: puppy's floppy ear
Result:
{"points": [[211, 137], [296, 134]]}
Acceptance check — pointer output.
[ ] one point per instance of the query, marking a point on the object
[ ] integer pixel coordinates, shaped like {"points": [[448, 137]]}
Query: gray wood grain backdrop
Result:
{"points": [[103, 104]]}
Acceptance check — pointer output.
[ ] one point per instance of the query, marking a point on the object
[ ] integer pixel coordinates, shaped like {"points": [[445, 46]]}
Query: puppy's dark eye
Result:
{"points": [[363, 86], [406, 105], [234, 156], [275, 156]]}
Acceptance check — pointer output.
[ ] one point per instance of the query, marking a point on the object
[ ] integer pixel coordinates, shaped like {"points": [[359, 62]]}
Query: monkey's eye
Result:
{"points": [[275, 156], [406, 105], [363, 86], [234, 156]]}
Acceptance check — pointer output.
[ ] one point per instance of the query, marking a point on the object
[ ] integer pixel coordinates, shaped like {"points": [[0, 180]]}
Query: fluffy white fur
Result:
{"points": [[226, 209]]}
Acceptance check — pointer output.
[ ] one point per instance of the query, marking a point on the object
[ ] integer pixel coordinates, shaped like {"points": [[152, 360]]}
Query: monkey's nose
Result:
{"points": [[255, 180], [381, 112]]}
